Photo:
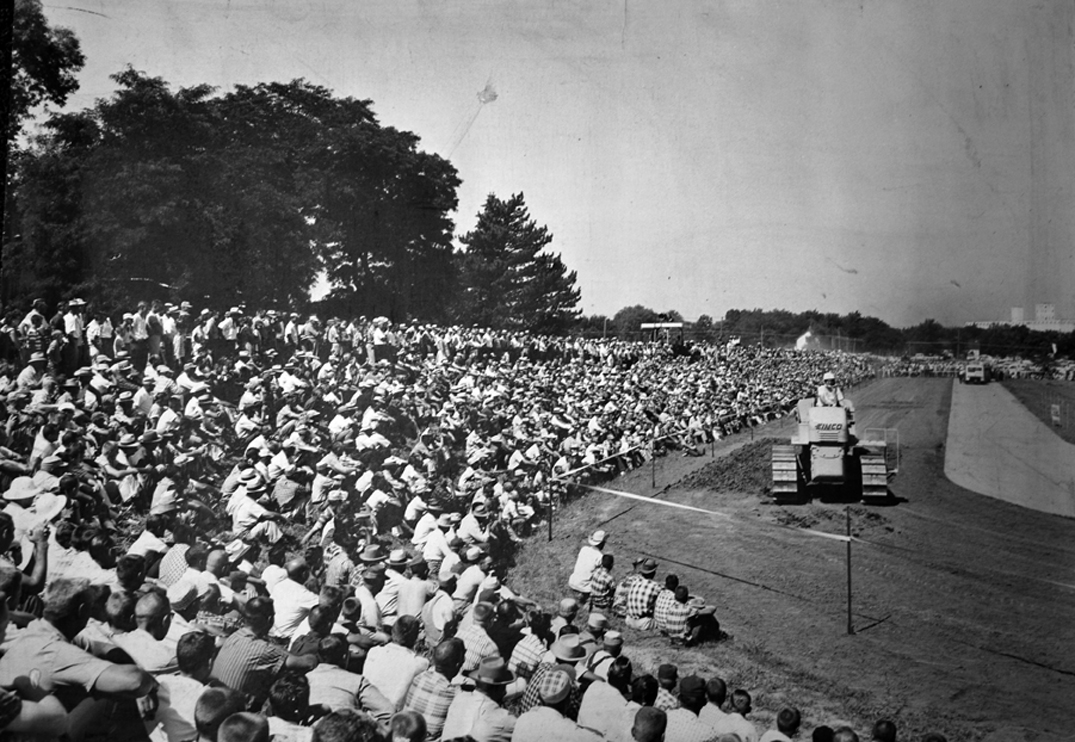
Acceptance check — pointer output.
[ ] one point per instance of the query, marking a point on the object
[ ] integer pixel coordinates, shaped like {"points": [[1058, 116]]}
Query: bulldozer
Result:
{"points": [[826, 458]]}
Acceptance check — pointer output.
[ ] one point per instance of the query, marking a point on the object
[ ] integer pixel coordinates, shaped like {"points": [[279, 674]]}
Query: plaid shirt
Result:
{"points": [[665, 600], [430, 695], [619, 602], [526, 656], [665, 700], [601, 588], [641, 598], [532, 696], [675, 621], [173, 565], [478, 645]]}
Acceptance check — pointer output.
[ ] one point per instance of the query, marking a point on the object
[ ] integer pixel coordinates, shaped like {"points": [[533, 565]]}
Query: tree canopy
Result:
{"points": [[232, 198]]}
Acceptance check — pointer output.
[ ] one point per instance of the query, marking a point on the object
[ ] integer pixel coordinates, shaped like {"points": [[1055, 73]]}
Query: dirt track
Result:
{"points": [[963, 604]]}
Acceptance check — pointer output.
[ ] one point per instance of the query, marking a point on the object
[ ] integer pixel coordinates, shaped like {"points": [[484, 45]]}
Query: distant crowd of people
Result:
{"points": [[247, 525]]}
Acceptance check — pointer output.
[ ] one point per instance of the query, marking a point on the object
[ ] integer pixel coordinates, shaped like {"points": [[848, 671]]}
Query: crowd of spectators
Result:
{"points": [[249, 525]]}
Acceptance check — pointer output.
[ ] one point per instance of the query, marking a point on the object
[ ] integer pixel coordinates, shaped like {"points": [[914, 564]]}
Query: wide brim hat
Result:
{"points": [[372, 554], [597, 538], [568, 649], [492, 671], [22, 489], [48, 505], [398, 558], [648, 567]]}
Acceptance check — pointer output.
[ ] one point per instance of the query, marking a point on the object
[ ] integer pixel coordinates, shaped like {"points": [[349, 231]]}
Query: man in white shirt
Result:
{"points": [[392, 667], [291, 599]]}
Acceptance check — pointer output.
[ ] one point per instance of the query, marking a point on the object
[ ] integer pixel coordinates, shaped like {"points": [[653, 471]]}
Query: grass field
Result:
{"points": [[1039, 396]]}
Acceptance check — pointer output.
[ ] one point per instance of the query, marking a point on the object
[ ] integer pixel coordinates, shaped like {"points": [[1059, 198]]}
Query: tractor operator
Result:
{"points": [[830, 395]]}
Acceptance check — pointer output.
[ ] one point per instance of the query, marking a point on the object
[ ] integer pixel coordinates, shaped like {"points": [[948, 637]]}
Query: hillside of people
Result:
{"points": [[306, 527]]}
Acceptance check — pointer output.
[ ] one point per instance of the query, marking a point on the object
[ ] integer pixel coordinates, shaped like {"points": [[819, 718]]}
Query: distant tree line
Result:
{"points": [[853, 332]]}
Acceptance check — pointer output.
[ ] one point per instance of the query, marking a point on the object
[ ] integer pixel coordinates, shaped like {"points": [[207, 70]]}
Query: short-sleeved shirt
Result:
{"points": [[249, 664], [431, 694], [41, 661]]}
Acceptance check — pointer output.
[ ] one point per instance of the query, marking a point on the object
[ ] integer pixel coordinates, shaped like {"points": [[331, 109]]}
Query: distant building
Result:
{"points": [[1045, 320]]}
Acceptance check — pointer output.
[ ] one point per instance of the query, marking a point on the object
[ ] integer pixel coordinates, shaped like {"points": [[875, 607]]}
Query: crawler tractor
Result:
{"points": [[826, 459]]}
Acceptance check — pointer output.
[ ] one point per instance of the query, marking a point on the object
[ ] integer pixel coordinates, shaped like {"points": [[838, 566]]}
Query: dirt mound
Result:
{"points": [[746, 470]]}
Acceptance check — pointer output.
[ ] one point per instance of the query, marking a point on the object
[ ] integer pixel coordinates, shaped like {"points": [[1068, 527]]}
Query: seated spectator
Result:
{"points": [[431, 692], [735, 721], [408, 726], [476, 639], [289, 714], [683, 722], [712, 713], [884, 731], [145, 645], [247, 727], [602, 585], [213, 707], [641, 598], [606, 707], [649, 725], [611, 648], [177, 697], [668, 679], [787, 726], [478, 712], [346, 725], [334, 687], [549, 720], [44, 649], [845, 734], [566, 613], [248, 662], [529, 651], [392, 667]]}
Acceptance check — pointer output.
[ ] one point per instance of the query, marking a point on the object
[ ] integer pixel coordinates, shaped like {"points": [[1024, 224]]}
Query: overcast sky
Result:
{"points": [[905, 158]]}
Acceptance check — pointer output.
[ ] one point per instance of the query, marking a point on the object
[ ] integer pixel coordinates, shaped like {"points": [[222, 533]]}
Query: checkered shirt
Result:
{"points": [[173, 565], [665, 600], [532, 696], [641, 598], [601, 588], [526, 656], [684, 725], [619, 601], [430, 695], [478, 645], [675, 620], [665, 700]]}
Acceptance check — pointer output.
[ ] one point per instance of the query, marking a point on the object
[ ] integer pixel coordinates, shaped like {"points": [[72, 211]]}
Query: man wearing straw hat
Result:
{"points": [[588, 560]]}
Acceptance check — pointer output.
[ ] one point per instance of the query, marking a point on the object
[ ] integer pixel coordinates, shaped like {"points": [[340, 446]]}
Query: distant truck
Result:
{"points": [[975, 373]]}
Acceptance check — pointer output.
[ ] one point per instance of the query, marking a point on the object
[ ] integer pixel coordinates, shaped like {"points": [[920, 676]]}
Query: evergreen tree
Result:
{"points": [[507, 282]]}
